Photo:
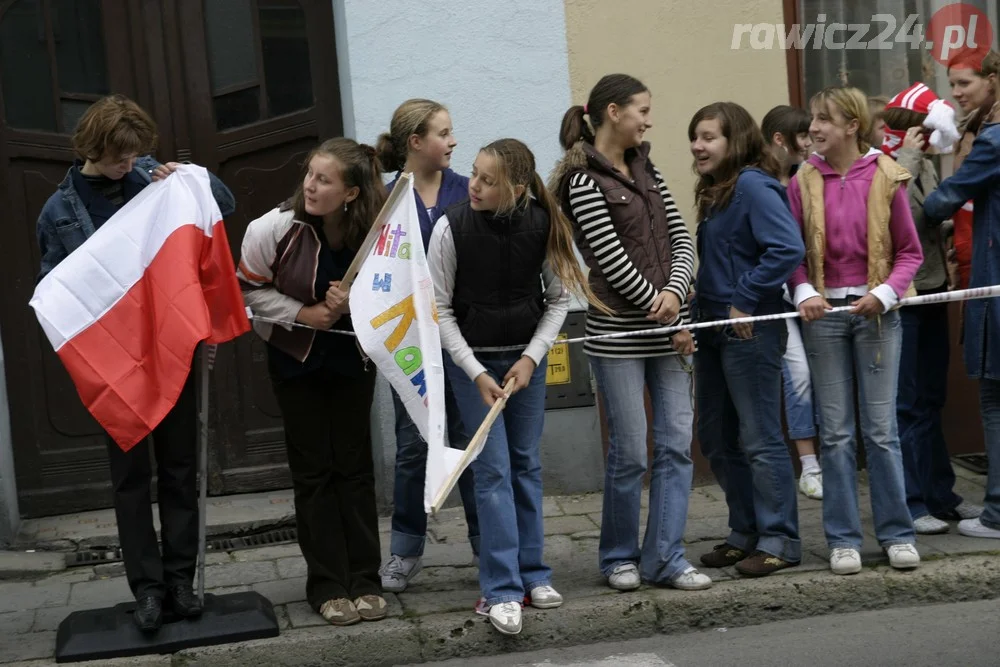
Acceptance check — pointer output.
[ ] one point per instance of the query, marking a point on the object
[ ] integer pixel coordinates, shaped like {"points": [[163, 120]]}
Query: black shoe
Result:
{"points": [[148, 613], [183, 601]]}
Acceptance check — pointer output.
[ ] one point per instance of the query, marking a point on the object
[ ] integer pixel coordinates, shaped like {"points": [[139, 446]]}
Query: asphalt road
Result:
{"points": [[960, 635]]}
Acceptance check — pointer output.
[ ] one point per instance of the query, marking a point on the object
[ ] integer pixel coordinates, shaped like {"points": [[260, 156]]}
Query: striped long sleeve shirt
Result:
{"points": [[590, 210]]}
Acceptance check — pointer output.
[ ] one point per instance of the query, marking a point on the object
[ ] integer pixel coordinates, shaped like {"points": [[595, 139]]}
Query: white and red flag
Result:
{"points": [[127, 309]]}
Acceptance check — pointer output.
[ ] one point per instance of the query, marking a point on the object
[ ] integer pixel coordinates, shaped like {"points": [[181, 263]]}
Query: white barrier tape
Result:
{"points": [[942, 297]]}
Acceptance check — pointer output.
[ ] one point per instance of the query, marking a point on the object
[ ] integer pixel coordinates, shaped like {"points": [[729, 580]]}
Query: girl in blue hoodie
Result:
{"points": [[749, 245], [420, 141]]}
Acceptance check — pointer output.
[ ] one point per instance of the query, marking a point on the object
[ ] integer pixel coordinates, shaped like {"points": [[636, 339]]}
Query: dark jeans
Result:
{"points": [[327, 434], [738, 396], [920, 398], [409, 521], [989, 405], [175, 443]]}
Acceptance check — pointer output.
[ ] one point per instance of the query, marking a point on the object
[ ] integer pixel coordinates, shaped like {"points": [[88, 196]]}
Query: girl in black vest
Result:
{"points": [[641, 261], [500, 262]]}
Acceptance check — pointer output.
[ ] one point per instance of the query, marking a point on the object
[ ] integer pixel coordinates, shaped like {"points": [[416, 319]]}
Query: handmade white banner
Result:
{"points": [[395, 319]]}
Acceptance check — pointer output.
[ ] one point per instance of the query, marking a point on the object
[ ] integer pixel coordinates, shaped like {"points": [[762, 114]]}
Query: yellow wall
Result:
{"points": [[681, 49]]}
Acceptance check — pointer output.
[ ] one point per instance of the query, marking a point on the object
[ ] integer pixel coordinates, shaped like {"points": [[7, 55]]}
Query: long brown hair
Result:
{"points": [[746, 149], [411, 117], [360, 168], [515, 165], [615, 89]]}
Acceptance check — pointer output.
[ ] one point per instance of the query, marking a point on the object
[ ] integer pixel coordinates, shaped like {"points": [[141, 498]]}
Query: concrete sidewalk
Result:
{"points": [[433, 620]]}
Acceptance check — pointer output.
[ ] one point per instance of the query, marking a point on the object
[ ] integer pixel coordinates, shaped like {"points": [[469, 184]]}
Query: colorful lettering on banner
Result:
{"points": [[389, 244]]}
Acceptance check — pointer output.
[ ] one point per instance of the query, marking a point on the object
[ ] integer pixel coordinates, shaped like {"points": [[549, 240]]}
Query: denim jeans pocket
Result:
{"points": [[731, 336]]}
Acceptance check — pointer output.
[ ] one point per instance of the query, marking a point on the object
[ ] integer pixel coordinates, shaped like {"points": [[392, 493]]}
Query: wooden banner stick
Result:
{"points": [[375, 231], [481, 433]]}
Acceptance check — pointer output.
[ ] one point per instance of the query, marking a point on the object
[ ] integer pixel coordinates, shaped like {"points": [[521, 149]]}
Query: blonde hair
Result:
{"points": [[853, 105], [989, 65], [114, 126], [411, 117], [515, 166]]}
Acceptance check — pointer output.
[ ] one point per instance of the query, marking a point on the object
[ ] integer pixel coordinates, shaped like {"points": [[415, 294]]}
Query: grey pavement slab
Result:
{"points": [[289, 568], [22, 596], [16, 622], [567, 525], [283, 591], [100, 593], [240, 574], [31, 646]]}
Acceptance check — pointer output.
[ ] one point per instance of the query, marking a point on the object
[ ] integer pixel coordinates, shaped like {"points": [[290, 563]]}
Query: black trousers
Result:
{"points": [[175, 443], [327, 433]]}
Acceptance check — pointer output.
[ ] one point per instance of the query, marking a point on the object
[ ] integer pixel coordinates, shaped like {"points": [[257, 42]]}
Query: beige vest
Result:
{"points": [[886, 181]]}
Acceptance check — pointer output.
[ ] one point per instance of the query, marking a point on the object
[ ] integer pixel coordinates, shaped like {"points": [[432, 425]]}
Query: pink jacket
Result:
{"points": [[845, 262]]}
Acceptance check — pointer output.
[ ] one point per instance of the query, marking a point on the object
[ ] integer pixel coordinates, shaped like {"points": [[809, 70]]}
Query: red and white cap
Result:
{"points": [[940, 119]]}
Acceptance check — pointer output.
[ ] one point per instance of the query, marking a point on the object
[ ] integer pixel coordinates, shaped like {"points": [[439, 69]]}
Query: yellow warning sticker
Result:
{"points": [[558, 372]]}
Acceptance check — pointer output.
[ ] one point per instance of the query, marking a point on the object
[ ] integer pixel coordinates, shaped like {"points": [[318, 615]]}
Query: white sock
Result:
{"points": [[809, 463]]}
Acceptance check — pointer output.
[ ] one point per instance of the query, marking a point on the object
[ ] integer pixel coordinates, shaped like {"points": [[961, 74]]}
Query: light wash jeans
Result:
{"points": [[800, 413], [842, 347], [621, 383], [738, 390], [508, 481]]}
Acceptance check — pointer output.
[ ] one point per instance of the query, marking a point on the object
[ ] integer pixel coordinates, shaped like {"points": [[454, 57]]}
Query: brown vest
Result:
{"points": [[639, 217], [886, 181]]}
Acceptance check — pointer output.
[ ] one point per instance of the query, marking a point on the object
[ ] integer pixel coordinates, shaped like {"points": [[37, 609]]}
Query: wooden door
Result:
{"points": [[243, 87], [267, 70]]}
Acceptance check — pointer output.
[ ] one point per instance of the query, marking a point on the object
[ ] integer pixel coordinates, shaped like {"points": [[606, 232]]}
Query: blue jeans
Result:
{"points": [[621, 383], [409, 521], [508, 481], [989, 405], [800, 415], [841, 346], [923, 380], [738, 394]]}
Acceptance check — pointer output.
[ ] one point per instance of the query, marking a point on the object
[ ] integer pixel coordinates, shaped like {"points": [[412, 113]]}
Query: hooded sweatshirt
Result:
{"points": [[845, 262]]}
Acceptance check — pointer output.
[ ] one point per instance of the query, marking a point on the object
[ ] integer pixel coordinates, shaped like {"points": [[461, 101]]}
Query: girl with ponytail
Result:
{"points": [[503, 266], [641, 261]]}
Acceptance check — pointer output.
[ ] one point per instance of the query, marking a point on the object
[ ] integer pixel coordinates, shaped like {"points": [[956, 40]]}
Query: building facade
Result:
{"points": [[247, 88]]}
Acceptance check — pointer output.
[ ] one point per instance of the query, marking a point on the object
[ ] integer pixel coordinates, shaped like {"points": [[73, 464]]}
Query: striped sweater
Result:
{"points": [[590, 211]]}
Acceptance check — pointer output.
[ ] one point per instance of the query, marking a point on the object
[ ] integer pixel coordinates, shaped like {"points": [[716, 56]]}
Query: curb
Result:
{"points": [[17, 564], [618, 616]]}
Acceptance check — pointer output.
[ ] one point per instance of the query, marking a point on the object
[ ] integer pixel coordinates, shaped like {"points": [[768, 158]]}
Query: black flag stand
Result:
{"points": [[235, 617]]}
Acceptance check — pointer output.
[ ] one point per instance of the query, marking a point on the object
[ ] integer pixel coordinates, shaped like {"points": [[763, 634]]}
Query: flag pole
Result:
{"points": [[204, 368], [375, 231], [481, 433]]}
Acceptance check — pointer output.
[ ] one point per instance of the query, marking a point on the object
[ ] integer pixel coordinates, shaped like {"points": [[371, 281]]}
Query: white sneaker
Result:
{"points": [[691, 580], [975, 528], [544, 597], [625, 577], [845, 561], [397, 572], [811, 484], [506, 617], [928, 525], [903, 556], [967, 510]]}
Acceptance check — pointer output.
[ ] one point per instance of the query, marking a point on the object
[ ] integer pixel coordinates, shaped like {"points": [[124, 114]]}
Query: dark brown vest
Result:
{"points": [[639, 217]]}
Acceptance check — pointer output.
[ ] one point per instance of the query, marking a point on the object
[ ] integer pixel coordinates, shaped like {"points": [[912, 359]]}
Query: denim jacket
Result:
{"points": [[65, 221], [978, 179]]}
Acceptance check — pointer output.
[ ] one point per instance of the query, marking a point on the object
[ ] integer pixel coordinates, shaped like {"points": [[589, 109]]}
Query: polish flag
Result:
{"points": [[127, 309]]}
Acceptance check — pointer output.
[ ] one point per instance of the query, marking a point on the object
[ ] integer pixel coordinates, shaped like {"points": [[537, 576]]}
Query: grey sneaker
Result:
{"points": [[928, 525], [397, 572]]}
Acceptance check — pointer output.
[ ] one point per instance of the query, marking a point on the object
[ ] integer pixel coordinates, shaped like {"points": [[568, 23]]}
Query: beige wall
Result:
{"points": [[681, 49]]}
